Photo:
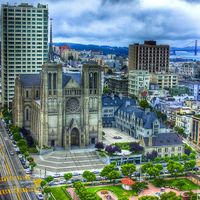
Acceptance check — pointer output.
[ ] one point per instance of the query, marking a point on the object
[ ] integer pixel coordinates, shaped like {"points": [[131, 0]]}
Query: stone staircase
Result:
{"points": [[67, 161]]}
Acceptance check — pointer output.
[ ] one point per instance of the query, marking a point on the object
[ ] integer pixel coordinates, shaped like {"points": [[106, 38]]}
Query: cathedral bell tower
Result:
{"points": [[51, 104], [92, 103]]}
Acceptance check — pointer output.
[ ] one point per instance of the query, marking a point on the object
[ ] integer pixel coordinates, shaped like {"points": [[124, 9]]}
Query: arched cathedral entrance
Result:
{"points": [[75, 137]]}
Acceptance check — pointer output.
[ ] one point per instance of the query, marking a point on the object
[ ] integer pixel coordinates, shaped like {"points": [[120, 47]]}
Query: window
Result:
{"points": [[27, 114], [159, 150], [27, 93], [166, 150], [173, 149], [179, 148], [37, 94]]}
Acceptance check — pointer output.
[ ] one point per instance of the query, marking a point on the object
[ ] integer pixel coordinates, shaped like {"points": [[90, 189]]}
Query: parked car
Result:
{"points": [[11, 153], [76, 173], [75, 180], [28, 171], [62, 182], [40, 196], [196, 168], [56, 175]]}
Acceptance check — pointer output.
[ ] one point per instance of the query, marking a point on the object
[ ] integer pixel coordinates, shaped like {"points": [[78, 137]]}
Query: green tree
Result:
{"points": [[169, 196], [14, 129], [174, 168], [123, 198], [180, 130], [148, 198], [47, 190], [161, 116], [49, 179], [189, 165], [113, 175], [192, 156], [22, 142], [106, 89], [67, 176], [23, 149], [32, 165], [128, 169], [16, 136], [26, 154], [153, 170], [144, 104], [43, 183], [185, 157], [106, 170], [89, 176]]}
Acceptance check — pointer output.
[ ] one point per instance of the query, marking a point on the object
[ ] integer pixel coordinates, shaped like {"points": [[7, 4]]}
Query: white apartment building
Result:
{"points": [[138, 81], [24, 43]]}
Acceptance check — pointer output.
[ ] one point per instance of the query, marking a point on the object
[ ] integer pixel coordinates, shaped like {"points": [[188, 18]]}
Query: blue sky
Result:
{"points": [[121, 22]]}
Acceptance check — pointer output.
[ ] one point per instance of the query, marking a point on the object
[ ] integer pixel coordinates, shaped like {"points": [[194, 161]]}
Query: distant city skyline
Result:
{"points": [[122, 22]]}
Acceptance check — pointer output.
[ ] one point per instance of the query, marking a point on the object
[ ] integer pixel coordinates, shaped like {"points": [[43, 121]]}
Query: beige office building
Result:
{"points": [[138, 81], [164, 80], [149, 56], [24, 43]]}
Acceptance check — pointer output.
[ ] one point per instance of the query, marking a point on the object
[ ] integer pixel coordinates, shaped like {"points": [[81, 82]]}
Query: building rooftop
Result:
{"points": [[164, 139], [29, 80]]}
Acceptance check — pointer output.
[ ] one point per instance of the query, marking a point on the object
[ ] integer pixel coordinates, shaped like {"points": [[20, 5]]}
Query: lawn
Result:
{"points": [[60, 193], [179, 183], [123, 145], [117, 190]]}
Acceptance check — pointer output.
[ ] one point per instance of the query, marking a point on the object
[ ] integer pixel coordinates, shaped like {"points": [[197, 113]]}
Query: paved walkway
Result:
{"points": [[110, 133], [152, 190], [72, 193]]}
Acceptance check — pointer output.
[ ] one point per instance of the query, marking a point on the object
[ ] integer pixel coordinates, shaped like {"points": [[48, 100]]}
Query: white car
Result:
{"points": [[20, 156], [28, 171], [40, 196], [56, 175]]}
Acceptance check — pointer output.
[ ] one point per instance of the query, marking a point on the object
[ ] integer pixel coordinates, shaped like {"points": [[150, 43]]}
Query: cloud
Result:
{"points": [[121, 22]]}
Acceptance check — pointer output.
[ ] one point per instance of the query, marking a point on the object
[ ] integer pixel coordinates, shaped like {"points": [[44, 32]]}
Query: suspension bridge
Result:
{"points": [[191, 46]]}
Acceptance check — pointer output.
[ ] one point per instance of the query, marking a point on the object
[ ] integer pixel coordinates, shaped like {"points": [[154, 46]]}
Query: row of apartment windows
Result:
{"points": [[167, 149]]}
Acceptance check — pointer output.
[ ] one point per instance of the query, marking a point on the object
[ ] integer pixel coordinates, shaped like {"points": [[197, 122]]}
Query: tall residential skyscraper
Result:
{"points": [[149, 56], [24, 43]]}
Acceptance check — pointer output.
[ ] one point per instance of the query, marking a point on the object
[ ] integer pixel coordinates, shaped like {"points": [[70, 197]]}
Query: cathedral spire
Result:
{"points": [[51, 54]]}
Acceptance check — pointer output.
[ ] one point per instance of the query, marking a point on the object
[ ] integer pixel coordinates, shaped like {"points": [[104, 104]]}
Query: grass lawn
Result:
{"points": [[117, 190], [59, 193], [179, 183]]}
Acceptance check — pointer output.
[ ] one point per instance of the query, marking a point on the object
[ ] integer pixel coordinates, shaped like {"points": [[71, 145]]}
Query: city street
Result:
{"points": [[12, 167]]}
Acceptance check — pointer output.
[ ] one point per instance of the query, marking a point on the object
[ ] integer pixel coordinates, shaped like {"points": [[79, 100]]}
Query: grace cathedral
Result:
{"points": [[60, 109]]}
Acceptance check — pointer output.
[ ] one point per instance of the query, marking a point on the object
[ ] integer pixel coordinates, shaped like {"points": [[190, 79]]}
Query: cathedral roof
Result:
{"points": [[68, 76], [29, 80]]}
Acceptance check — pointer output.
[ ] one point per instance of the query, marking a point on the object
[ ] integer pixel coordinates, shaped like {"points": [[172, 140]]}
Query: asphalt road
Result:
{"points": [[14, 168]]}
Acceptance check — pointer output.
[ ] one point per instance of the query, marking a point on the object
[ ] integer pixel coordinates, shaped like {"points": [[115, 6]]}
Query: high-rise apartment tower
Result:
{"points": [[24, 43], [149, 56]]}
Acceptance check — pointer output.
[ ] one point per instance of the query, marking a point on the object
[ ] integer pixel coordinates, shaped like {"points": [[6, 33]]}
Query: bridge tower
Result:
{"points": [[195, 48]]}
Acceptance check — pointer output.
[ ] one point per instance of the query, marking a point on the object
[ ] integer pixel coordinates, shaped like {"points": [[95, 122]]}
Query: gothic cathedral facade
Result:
{"points": [[60, 109]]}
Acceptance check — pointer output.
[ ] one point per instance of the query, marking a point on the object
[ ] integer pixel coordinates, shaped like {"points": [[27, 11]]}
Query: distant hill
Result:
{"points": [[119, 51]]}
